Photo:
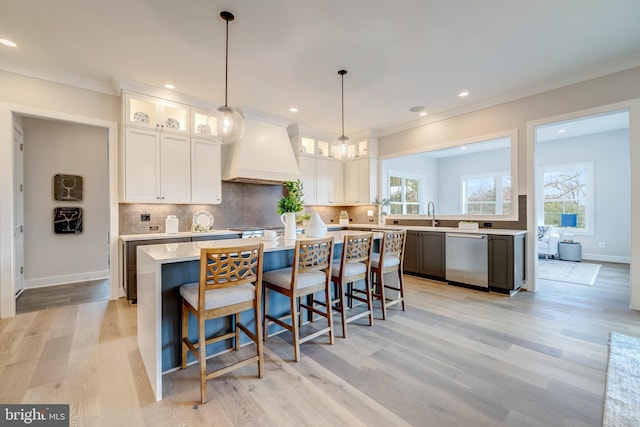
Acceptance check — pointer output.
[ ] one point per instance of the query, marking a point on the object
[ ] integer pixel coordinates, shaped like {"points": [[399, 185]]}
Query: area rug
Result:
{"points": [[582, 273], [622, 395]]}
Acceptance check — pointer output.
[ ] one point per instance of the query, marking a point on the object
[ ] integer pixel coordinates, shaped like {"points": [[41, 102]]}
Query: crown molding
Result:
{"points": [[62, 78]]}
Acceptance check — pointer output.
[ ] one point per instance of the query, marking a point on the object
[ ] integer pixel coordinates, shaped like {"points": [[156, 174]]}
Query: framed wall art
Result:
{"points": [[67, 188], [67, 220]]}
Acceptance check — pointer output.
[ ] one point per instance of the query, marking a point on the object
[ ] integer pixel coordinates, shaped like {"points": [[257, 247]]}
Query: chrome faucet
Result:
{"points": [[431, 210]]}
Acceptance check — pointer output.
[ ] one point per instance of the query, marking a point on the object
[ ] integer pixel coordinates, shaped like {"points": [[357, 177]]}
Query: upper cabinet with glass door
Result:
{"points": [[154, 113], [199, 124]]}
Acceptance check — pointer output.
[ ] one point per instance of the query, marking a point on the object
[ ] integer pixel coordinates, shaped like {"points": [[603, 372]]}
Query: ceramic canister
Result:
{"points": [[171, 224]]}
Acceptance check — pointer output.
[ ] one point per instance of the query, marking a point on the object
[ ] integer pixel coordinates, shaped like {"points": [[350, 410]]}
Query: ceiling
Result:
{"points": [[287, 53]]}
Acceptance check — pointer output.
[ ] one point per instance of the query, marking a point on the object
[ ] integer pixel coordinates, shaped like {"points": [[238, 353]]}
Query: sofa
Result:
{"points": [[548, 241]]}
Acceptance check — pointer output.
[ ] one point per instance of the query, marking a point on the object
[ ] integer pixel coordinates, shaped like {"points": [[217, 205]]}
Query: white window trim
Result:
{"points": [[589, 210], [405, 175], [494, 174]]}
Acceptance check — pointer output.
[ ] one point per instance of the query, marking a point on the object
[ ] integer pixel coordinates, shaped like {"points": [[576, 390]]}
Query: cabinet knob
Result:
{"points": [[158, 197]]}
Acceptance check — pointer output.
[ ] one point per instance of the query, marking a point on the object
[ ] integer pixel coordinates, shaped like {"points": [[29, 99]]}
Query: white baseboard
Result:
{"points": [[607, 258], [65, 279]]}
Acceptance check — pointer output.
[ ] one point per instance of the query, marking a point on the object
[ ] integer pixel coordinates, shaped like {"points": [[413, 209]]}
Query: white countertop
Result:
{"points": [[189, 251], [153, 236], [495, 231]]}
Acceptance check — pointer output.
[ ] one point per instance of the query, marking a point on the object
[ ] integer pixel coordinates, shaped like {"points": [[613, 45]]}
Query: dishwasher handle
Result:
{"points": [[467, 236]]}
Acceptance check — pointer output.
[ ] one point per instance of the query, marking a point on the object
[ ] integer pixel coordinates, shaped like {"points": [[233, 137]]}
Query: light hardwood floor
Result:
{"points": [[455, 357]]}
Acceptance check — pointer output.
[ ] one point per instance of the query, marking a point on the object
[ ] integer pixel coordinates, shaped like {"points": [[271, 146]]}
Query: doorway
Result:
{"points": [[582, 198], [11, 114], [66, 205]]}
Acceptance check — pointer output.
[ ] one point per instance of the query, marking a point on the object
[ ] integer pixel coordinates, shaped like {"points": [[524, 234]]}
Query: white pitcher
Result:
{"points": [[289, 221], [315, 228]]}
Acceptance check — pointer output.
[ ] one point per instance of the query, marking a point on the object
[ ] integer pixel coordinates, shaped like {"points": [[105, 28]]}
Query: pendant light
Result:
{"points": [[340, 147], [226, 120]]}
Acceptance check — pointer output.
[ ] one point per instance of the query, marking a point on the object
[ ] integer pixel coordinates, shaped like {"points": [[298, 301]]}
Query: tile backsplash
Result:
{"points": [[243, 205], [254, 205]]}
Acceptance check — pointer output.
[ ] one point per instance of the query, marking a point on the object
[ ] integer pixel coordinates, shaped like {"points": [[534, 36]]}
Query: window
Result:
{"points": [[568, 189], [487, 194], [404, 191]]}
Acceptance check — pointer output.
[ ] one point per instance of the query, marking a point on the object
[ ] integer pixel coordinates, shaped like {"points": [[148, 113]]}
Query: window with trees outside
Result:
{"points": [[568, 189], [404, 193], [487, 193]]}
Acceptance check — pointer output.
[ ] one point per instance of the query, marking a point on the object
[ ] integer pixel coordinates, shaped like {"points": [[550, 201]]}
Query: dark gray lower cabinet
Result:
{"points": [[130, 256], [506, 262], [130, 264], [424, 254]]}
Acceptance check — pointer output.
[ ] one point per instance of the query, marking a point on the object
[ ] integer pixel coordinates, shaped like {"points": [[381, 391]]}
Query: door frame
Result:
{"points": [[633, 106], [7, 197]]}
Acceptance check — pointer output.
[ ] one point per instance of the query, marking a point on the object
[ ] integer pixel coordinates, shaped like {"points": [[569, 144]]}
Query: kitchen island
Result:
{"points": [[162, 269]]}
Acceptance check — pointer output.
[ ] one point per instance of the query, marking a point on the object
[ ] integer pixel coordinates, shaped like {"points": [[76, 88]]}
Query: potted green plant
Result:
{"points": [[290, 203], [380, 204]]}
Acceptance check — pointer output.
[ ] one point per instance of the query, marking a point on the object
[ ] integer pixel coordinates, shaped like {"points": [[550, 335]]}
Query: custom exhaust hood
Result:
{"points": [[262, 156]]}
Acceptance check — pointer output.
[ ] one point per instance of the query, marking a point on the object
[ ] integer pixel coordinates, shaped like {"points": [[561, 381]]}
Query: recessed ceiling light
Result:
{"points": [[422, 113], [8, 43], [562, 130], [463, 147], [293, 109], [169, 86], [416, 109], [463, 94]]}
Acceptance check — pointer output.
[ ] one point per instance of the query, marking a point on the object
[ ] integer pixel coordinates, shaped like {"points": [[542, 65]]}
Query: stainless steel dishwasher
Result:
{"points": [[467, 259]]}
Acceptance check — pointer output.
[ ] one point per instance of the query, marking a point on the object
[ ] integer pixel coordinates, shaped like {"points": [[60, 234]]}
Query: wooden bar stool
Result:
{"points": [[389, 259], [230, 283], [310, 273], [354, 265]]}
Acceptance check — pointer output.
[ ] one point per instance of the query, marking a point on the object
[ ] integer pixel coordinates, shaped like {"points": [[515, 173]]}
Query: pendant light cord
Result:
{"points": [[342, 73], [342, 79], [226, 64]]}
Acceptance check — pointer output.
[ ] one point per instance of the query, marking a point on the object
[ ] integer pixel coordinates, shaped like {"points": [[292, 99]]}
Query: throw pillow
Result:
{"points": [[543, 230]]}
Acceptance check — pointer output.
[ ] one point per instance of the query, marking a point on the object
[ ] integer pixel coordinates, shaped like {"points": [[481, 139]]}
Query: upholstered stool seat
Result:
{"points": [[310, 274], [353, 266], [230, 283], [390, 259]]}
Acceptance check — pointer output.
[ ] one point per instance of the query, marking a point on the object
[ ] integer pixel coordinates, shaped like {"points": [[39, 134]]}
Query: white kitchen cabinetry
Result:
{"points": [[154, 113], [360, 181], [168, 153], [307, 166], [329, 182], [156, 167], [206, 175]]}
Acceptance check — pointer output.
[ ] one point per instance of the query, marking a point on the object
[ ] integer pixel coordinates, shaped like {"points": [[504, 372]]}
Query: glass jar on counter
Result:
{"points": [[344, 218]]}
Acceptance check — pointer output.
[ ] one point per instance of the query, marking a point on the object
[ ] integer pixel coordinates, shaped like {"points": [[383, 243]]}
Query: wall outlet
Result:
{"points": [[601, 245], [145, 217], [153, 228], [369, 212], [487, 225]]}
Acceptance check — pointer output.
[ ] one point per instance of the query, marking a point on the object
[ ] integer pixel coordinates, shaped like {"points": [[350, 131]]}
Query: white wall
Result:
{"points": [[54, 147], [31, 97], [610, 153]]}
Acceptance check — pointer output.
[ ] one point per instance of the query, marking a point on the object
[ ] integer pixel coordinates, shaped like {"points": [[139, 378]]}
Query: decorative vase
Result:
{"points": [[382, 217], [289, 221], [315, 228]]}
